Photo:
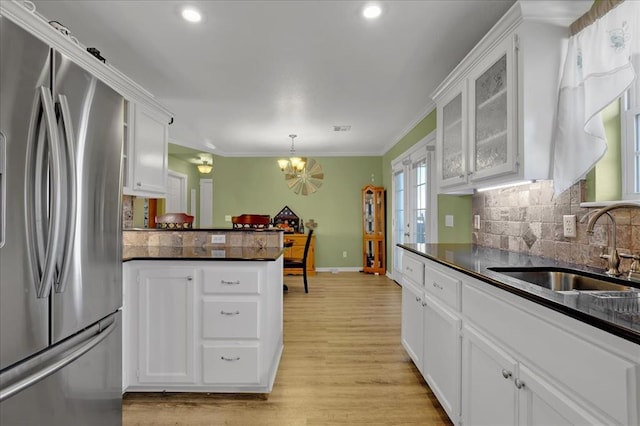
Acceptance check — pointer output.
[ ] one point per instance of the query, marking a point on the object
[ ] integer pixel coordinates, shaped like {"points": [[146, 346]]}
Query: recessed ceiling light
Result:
{"points": [[192, 15], [371, 11]]}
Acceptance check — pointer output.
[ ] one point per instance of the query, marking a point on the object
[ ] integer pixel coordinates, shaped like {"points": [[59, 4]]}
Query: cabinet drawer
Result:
{"points": [[442, 286], [230, 364], [413, 269], [231, 280], [230, 319]]}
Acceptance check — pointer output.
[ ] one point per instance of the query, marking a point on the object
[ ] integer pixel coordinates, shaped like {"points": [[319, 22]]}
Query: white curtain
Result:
{"points": [[597, 70]]}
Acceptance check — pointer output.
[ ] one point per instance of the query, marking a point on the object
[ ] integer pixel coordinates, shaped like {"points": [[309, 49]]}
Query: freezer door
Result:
{"points": [[90, 117], [83, 388], [24, 72]]}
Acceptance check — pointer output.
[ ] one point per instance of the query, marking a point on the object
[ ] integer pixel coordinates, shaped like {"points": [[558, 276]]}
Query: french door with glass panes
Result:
{"points": [[414, 201]]}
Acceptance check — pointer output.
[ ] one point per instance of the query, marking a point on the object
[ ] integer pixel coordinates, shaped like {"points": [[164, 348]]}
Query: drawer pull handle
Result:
{"points": [[229, 313], [418, 299], [506, 374], [436, 285], [230, 282], [409, 269], [230, 359], [519, 383]]}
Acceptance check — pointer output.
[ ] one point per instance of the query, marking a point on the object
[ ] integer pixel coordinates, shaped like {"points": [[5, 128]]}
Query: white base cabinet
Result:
{"points": [[166, 325], [431, 329], [494, 358], [197, 326], [411, 327]]}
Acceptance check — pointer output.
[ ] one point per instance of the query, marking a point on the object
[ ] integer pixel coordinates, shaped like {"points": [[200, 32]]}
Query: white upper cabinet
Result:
{"points": [[145, 151], [495, 110], [145, 121]]}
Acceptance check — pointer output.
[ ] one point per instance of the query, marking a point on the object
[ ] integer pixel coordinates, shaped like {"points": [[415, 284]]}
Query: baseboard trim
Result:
{"points": [[340, 269]]}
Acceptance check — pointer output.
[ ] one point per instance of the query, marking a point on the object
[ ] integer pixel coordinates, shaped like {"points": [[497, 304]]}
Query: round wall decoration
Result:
{"points": [[308, 180]]}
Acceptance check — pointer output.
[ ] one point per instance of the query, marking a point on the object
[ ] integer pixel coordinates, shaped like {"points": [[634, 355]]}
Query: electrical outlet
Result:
{"points": [[227, 218], [344, 253], [569, 225], [218, 239], [448, 221]]}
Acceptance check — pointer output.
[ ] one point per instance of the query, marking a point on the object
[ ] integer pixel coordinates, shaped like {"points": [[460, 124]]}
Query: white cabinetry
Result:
{"points": [[145, 151], [194, 326], [412, 297], [166, 332], [499, 390], [493, 357], [412, 335], [495, 111], [560, 370], [431, 329]]}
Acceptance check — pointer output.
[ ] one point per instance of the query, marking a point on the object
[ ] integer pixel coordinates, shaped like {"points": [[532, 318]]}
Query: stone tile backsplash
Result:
{"points": [[528, 219]]}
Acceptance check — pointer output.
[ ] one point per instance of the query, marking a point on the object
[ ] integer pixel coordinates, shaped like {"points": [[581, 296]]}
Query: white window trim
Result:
{"points": [[629, 109], [627, 149]]}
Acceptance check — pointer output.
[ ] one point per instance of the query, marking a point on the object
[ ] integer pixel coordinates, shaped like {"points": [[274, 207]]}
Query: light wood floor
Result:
{"points": [[343, 364]]}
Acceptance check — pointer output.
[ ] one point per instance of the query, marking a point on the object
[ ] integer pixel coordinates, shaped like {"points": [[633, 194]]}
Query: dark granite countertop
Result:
{"points": [[474, 260], [200, 253]]}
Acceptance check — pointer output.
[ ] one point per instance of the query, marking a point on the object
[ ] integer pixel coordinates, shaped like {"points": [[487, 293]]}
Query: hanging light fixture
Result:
{"points": [[205, 167], [293, 164]]}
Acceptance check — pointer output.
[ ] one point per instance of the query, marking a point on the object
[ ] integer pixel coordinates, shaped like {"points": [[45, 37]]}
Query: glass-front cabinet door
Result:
{"points": [[451, 116], [492, 98]]}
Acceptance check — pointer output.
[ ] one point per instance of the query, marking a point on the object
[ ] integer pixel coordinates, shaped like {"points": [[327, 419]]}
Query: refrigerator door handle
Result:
{"points": [[21, 377], [3, 189], [71, 192], [35, 188]]}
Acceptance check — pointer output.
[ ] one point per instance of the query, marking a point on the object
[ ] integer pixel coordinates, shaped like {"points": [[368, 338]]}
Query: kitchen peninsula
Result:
{"points": [[202, 310]]}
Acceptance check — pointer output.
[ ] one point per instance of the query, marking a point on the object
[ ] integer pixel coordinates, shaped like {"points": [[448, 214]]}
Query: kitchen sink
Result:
{"points": [[561, 279]]}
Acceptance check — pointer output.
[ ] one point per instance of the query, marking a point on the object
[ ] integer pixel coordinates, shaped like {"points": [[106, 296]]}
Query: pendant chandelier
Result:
{"points": [[304, 176], [293, 164], [205, 167]]}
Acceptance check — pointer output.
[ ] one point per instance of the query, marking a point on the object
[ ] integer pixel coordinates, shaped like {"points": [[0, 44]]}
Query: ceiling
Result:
{"points": [[253, 72]]}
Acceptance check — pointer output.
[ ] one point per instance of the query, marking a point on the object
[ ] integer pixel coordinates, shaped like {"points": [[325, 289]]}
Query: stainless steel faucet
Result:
{"points": [[613, 259]]}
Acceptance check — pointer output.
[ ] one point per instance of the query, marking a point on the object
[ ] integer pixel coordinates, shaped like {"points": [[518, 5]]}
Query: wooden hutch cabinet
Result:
{"points": [[373, 230]]}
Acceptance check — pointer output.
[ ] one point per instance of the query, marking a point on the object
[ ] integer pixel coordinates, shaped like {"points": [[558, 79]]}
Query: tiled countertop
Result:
{"points": [[200, 253], [474, 260]]}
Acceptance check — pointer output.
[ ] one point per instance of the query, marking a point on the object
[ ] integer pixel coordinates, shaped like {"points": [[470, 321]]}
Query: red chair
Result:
{"points": [[174, 221]]}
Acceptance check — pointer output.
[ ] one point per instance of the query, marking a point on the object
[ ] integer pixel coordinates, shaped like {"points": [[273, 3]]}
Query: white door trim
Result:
{"points": [[183, 183]]}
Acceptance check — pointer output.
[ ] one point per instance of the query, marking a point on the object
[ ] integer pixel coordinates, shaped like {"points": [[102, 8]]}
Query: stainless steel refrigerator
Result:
{"points": [[60, 238]]}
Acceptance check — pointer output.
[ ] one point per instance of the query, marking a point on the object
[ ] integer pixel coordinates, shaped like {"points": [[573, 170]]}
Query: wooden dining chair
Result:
{"points": [[174, 221], [301, 263]]}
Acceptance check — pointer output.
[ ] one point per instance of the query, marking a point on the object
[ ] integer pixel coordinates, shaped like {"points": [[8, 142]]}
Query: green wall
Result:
{"points": [[459, 206], [256, 185], [608, 171]]}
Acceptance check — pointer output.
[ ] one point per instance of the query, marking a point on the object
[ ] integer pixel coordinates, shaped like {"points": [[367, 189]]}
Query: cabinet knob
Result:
{"points": [[138, 183], [189, 278], [506, 373], [417, 299], [519, 383], [461, 176], [424, 304]]}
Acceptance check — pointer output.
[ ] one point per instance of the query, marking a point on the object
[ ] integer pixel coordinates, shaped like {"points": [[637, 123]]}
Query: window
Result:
{"points": [[630, 138]]}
